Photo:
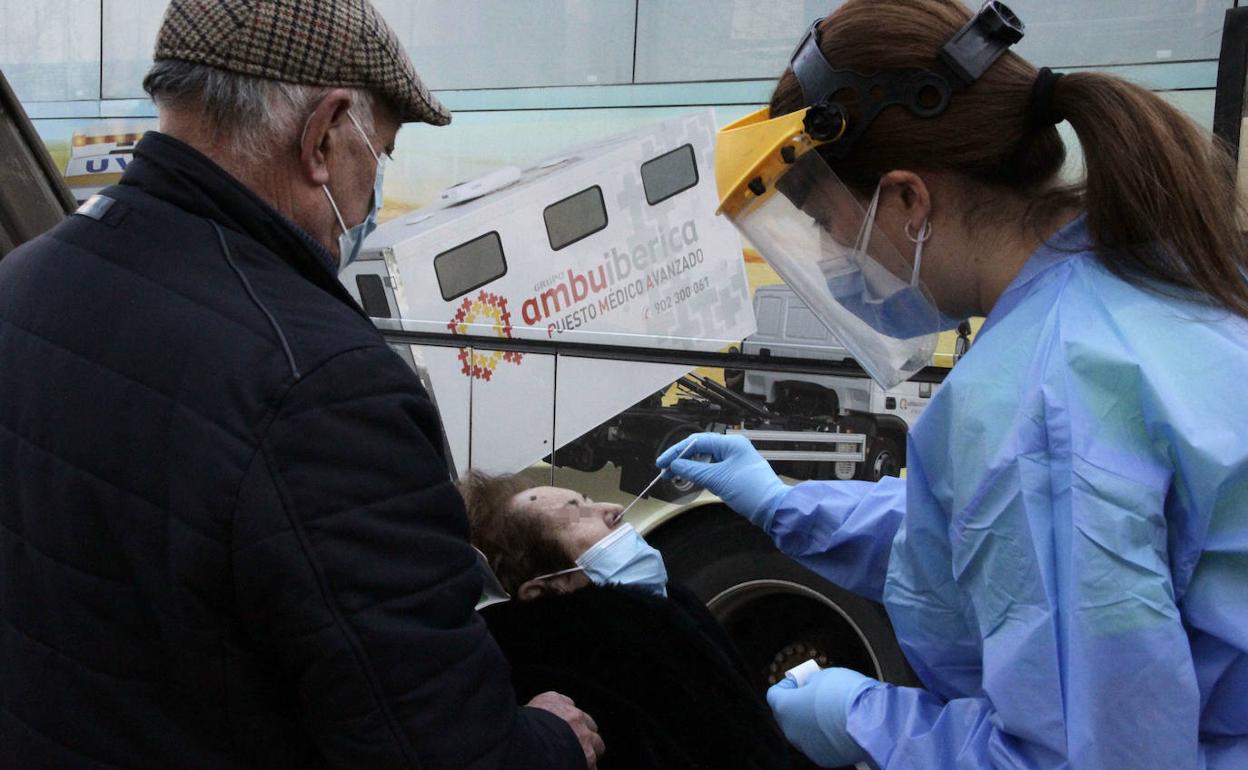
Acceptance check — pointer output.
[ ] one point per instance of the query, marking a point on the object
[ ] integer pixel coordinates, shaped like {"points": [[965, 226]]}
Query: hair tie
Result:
{"points": [[1042, 113]]}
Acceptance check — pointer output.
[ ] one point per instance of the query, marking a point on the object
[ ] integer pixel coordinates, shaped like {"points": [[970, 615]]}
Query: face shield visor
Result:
{"points": [[823, 241]]}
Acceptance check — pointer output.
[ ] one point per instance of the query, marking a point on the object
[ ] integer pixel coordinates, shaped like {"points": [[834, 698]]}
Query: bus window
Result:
{"points": [[669, 174], [575, 217], [470, 265]]}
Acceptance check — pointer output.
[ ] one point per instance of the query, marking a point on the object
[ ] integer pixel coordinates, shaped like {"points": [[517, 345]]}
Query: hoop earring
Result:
{"points": [[925, 232]]}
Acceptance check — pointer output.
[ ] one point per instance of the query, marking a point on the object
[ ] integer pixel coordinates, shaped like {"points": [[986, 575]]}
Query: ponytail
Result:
{"points": [[1160, 195]]}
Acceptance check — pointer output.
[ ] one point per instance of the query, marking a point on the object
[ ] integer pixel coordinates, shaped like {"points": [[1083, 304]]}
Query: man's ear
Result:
{"points": [[905, 197], [317, 139]]}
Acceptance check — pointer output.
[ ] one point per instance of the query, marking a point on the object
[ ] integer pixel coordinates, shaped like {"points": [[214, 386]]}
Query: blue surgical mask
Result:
{"points": [[886, 303], [622, 558], [352, 238]]}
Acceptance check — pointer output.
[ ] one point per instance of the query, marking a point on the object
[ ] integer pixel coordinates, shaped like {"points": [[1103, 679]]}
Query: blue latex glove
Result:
{"points": [[814, 717], [736, 472]]}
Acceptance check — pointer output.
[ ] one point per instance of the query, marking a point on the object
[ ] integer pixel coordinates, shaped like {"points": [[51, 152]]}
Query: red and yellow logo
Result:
{"points": [[486, 308]]}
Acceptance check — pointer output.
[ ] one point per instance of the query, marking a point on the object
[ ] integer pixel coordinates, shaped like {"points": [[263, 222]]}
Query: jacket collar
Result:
{"points": [[177, 173]]}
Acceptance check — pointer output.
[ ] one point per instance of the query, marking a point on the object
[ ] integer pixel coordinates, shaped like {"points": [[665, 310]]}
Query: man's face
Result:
{"points": [[354, 171], [574, 521]]}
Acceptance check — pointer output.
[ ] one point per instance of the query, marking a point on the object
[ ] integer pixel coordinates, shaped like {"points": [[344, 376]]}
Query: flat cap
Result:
{"points": [[331, 43]]}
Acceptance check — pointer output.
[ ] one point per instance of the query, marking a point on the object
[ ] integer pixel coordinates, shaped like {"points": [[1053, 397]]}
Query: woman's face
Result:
{"points": [[575, 521], [840, 215]]}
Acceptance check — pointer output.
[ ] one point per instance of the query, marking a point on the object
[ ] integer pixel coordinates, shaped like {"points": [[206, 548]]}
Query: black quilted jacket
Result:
{"points": [[227, 534]]}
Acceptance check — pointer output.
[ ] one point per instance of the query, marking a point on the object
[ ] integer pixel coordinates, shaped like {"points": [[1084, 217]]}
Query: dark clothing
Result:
{"points": [[227, 534], [658, 675]]}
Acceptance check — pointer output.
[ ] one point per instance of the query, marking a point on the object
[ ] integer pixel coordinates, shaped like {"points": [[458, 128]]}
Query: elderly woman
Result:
{"points": [[595, 618]]}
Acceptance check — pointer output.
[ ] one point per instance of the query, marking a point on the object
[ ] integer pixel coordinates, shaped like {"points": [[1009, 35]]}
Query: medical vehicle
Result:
{"points": [[97, 159], [578, 316]]}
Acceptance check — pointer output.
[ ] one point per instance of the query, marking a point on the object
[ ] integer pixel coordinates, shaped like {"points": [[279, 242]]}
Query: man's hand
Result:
{"points": [[581, 723]]}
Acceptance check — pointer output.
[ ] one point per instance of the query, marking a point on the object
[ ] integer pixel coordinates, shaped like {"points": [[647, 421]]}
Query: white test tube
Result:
{"points": [[802, 672]]}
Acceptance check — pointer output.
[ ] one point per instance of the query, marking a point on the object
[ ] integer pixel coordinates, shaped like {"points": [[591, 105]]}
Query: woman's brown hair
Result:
{"points": [[515, 542], [1159, 193]]}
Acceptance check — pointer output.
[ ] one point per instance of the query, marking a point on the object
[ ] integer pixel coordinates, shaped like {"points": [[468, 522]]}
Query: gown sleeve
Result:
{"points": [[842, 530]]}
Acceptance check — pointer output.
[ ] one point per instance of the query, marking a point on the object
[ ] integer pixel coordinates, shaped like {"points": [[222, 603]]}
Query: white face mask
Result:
{"points": [[352, 238]]}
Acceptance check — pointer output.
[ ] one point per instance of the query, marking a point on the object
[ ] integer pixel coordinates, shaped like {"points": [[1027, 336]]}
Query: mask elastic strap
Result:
{"points": [[868, 221], [358, 127], [567, 571], [378, 158], [326, 187], [925, 232], [334, 206]]}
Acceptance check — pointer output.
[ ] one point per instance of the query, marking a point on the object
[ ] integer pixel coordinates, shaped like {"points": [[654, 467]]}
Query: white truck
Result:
{"points": [[787, 328], [576, 317]]}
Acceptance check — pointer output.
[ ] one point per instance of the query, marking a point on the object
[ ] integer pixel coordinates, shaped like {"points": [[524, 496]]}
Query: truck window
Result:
{"points": [[669, 174], [770, 316], [470, 265], [575, 217], [803, 325], [373, 295]]}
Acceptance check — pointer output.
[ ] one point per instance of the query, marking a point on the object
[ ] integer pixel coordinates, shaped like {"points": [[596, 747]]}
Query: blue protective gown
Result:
{"points": [[1066, 563]]}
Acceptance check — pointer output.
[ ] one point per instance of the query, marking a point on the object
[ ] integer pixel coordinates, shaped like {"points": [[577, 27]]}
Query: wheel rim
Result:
{"points": [[745, 607], [885, 465]]}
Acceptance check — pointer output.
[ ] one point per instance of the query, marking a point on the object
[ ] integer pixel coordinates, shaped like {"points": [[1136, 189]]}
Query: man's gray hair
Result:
{"points": [[254, 118]]}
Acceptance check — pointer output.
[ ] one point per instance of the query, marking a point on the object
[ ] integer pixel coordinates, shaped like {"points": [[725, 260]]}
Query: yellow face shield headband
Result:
{"points": [[752, 153], [755, 151]]}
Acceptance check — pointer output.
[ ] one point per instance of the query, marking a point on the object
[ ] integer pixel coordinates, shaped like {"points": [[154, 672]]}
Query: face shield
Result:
{"points": [[821, 238], [824, 242]]}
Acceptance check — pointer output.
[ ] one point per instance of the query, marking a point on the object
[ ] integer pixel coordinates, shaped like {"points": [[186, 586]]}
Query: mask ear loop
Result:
{"points": [[334, 206], [868, 221], [358, 127], [325, 188], [925, 232], [567, 571], [378, 158]]}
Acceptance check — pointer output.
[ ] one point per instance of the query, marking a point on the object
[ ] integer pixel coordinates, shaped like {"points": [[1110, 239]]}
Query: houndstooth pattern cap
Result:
{"points": [[332, 43]]}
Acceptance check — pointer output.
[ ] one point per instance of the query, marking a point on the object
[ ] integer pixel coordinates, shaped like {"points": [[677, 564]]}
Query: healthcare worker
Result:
{"points": [[1066, 563]]}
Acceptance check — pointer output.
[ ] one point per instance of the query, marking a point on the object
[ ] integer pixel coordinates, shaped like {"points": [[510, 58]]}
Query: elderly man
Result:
{"points": [[228, 538]]}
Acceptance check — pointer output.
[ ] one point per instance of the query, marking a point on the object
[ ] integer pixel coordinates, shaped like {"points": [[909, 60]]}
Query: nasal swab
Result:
{"points": [[649, 486]]}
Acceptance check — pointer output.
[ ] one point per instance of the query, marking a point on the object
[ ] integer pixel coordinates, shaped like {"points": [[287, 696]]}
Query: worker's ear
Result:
{"points": [[905, 201], [318, 140]]}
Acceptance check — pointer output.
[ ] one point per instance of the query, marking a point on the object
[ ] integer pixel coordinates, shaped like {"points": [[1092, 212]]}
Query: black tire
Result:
{"points": [[777, 612], [883, 459], [637, 473], [674, 489]]}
